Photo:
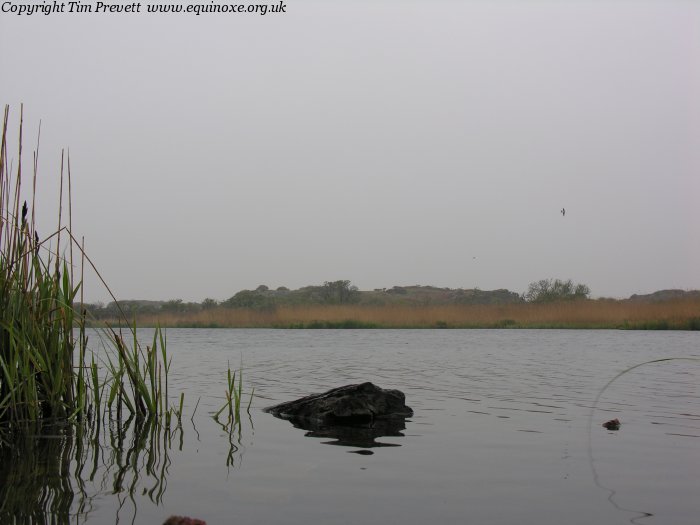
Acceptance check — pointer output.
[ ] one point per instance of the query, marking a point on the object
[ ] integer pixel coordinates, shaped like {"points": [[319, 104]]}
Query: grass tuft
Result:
{"points": [[234, 396]]}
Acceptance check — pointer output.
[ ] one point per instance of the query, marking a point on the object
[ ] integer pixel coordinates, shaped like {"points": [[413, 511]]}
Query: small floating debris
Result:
{"points": [[613, 424], [183, 520]]}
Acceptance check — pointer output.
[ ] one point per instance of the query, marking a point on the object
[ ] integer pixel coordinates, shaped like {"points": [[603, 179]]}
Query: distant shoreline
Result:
{"points": [[674, 314]]}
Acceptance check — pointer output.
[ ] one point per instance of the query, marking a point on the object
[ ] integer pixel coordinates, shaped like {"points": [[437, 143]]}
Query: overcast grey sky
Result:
{"points": [[385, 142]]}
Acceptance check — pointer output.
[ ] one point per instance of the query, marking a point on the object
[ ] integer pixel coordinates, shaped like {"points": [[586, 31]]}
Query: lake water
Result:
{"points": [[507, 429]]}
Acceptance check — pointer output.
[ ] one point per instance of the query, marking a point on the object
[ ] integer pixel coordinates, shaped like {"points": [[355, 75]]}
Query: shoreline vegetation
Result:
{"points": [[48, 372], [77, 421], [675, 315], [421, 307]]}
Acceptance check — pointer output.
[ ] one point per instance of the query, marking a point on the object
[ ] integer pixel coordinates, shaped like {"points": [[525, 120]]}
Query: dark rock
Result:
{"points": [[349, 404], [613, 424], [183, 520]]}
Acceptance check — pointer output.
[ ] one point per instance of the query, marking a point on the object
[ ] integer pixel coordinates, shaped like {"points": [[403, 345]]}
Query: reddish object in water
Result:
{"points": [[613, 424], [183, 520]]}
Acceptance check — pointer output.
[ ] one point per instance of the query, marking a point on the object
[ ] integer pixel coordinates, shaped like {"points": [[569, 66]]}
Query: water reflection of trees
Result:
{"points": [[51, 473]]}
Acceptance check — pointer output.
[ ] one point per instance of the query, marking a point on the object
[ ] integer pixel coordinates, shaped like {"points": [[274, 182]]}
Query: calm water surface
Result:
{"points": [[507, 429]]}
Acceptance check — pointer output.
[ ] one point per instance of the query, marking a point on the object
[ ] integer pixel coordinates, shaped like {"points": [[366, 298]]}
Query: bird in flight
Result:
{"points": [[563, 212]]}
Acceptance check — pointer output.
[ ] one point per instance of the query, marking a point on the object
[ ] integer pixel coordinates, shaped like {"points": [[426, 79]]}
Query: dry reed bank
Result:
{"points": [[600, 314]]}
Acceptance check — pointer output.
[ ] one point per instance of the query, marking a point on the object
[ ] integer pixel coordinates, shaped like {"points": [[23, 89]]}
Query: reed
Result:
{"points": [[233, 395], [232, 425], [139, 380], [44, 368], [598, 314], [68, 413], [36, 314]]}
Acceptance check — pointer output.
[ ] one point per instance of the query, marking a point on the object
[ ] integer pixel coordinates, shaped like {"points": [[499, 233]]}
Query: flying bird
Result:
{"points": [[563, 212]]}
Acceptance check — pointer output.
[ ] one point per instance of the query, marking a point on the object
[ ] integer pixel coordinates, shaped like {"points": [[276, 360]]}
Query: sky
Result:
{"points": [[385, 142]]}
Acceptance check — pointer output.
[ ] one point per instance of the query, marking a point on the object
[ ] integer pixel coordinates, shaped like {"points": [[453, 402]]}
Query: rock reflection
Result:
{"points": [[362, 435]]}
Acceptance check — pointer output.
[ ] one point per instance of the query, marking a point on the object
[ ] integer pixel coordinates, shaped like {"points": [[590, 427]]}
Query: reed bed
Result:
{"points": [[69, 415], [46, 369], [598, 314]]}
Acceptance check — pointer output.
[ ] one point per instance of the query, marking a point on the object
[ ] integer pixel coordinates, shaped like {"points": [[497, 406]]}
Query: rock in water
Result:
{"points": [[346, 405], [613, 424], [183, 520]]}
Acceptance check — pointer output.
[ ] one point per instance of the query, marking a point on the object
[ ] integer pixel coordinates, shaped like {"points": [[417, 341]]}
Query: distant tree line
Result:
{"points": [[551, 290], [135, 308], [344, 292], [330, 292]]}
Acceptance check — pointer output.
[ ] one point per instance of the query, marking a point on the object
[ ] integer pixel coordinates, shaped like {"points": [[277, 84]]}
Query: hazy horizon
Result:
{"points": [[388, 143]]}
